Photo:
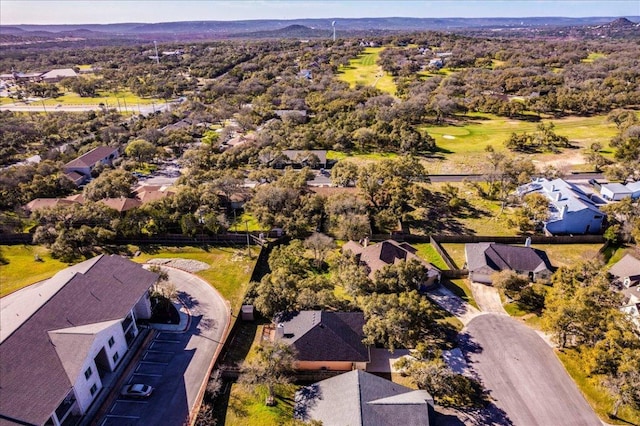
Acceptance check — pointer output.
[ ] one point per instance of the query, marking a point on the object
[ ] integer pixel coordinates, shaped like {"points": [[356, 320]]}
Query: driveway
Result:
{"points": [[523, 376], [176, 363], [487, 298]]}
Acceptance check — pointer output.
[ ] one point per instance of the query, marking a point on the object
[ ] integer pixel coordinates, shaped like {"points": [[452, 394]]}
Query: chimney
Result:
{"points": [[366, 242], [279, 331], [558, 196], [564, 210], [527, 242]]}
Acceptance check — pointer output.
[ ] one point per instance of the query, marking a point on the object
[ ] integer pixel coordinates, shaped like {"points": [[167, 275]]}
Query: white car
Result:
{"points": [[136, 390]]}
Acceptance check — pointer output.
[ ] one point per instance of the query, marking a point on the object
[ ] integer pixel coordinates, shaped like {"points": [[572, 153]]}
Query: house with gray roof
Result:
{"points": [[325, 340], [485, 259], [360, 398], [314, 158], [60, 338], [614, 191], [626, 271], [389, 252], [571, 211]]}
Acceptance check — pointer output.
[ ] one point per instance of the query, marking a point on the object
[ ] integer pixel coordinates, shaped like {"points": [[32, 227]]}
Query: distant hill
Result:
{"points": [[302, 28]]}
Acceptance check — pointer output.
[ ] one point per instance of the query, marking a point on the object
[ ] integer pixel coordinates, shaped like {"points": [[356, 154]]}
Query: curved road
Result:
{"points": [[523, 375], [176, 363]]}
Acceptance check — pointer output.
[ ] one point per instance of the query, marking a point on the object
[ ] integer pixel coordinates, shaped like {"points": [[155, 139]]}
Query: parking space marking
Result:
{"points": [[132, 400], [147, 374], [117, 416], [153, 362]]}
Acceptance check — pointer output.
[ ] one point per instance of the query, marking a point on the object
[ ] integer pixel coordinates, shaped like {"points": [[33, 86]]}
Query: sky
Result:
{"points": [[14, 12]]}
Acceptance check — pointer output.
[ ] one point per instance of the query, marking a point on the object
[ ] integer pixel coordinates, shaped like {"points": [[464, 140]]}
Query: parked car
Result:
{"points": [[136, 390]]}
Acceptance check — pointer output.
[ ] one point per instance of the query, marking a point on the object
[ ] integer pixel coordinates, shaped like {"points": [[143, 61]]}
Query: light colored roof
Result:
{"points": [[295, 154], [561, 194], [74, 344], [628, 266], [59, 73], [149, 196], [616, 188], [360, 398], [634, 186]]}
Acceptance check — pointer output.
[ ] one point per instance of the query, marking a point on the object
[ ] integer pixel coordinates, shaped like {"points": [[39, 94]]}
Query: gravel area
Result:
{"points": [[187, 265]]}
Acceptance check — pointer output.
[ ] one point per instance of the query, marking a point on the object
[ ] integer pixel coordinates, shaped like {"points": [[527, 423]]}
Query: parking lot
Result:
{"points": [[175, 363], [149, 370]]}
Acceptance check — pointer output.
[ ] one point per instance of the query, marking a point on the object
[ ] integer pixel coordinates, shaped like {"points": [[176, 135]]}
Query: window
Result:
{"points": [[87, 373], [597, 217], [93, 389], [115, 357], [112, 341]]}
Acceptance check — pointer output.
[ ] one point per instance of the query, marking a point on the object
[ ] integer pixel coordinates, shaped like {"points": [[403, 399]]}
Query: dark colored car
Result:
{"points": [[136, 390]]}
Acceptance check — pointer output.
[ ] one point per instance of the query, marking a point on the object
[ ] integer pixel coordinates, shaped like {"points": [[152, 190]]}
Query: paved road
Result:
{"points": [[38, 107], [523, 375], [176, 363]]}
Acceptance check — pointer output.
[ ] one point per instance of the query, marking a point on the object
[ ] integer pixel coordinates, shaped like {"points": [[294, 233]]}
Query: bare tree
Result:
{"points": [[320, 244], [272, 366]]}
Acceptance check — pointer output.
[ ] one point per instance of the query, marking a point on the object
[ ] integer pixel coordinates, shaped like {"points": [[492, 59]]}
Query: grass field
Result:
{"points": [[229, 273], [117, 99], [428, 253], [569, 254], [462, 144], [23, 269], [247, 407], [364, 71], [455, 252], [598, 397], [593, 56]]}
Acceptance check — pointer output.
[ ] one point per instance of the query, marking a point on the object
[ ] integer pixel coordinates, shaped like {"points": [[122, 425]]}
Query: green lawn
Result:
{"points": [[247, 407], [361, 158], [598, 397], [593, 56], [229, 273], [111, 99], [364, 71], [428, 253], [23, 269], [455, 252], [244, 220], [462, 144], [569, 254]]}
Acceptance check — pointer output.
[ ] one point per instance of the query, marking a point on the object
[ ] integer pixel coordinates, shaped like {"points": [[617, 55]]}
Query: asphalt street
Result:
{"points": [[176, 363], [523, 375]]}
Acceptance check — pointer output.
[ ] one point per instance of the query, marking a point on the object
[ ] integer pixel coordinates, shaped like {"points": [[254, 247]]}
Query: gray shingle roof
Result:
{"points": [[500, 257], [326, 336], [34, 378], [628, 266], [360, 398]]}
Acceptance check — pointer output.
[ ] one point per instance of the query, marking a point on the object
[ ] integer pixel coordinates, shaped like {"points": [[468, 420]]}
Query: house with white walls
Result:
{"points": [[59, 341]]}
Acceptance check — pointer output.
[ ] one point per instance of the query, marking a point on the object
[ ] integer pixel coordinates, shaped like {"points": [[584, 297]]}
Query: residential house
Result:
{"points": [[485, 259], [314, 158], [614, 191], [389, 252], [626, 271], [61, 338], [84, 164], [56, 75], [634, 187], [325, 340], [571, 211], [121, 204], [41, 203], [358, 398]]}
